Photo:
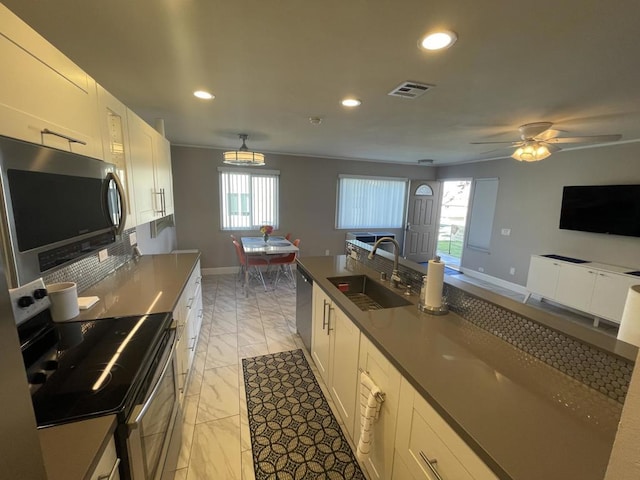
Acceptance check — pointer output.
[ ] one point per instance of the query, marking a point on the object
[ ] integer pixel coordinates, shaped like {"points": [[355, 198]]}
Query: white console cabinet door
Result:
{"points": [[610, 294], [42, 90], [575, 286], [380, 461], [543, 276], [423, 437]]}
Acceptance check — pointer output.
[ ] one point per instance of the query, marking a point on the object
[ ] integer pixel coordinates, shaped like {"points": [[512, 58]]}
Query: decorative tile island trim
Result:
{"points": [[592, 366]]}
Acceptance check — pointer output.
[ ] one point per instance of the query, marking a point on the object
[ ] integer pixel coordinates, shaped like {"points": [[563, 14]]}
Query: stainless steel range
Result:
{"points": [[123, 366]]}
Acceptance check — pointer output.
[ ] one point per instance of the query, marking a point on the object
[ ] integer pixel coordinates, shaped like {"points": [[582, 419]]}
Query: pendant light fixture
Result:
{"points": [[243, 156]]}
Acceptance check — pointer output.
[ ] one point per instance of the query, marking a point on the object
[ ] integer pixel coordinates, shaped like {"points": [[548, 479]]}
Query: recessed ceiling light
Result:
{"points": [[351, 102], [438, 40], [203, 95]]}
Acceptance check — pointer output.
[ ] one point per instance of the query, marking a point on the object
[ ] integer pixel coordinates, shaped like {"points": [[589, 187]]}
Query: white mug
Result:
{"points": [[64, 301]]}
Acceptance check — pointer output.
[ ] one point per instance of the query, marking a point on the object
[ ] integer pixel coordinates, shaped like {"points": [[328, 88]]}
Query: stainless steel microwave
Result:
{"points": [[57, 206]]}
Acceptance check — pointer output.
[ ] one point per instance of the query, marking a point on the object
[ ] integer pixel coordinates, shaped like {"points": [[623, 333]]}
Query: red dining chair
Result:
{"points": [[248, 261], [284, 264]]}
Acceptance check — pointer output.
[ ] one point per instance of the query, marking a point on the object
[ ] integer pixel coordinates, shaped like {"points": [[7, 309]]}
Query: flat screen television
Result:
{"points": [[612, 209]]}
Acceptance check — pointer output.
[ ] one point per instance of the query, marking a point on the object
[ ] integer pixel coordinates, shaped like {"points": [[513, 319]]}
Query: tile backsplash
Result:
{"points": [[89, 270]]}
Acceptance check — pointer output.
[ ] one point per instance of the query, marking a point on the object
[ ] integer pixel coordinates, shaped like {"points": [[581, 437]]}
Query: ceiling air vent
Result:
{"points": [[410, 90]]}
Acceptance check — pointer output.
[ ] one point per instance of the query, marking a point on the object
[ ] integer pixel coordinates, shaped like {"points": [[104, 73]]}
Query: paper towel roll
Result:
{"points": [[630, 325], [435, 282]]}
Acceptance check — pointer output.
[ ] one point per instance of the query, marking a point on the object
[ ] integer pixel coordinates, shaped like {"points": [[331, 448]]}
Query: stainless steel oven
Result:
{"points": [[120, 365], [148, 428]]}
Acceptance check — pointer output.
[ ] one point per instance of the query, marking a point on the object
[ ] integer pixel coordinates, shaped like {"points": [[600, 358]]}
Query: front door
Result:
{"points": [[421, 232]]}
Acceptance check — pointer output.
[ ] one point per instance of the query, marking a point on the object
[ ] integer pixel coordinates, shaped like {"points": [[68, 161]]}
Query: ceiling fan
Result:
{"points": [[538, 141]]}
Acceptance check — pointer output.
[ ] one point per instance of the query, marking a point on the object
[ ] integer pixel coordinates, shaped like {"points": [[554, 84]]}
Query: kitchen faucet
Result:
{"points": [[395, 276]]}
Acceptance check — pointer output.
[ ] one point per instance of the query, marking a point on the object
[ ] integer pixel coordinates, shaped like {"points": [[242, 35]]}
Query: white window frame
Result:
{"points": [[401, 204], [253, 222]]}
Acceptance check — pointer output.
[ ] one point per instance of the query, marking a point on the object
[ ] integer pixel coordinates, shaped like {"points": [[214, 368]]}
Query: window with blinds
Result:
{"points": [[371, 202], [248, 200]]}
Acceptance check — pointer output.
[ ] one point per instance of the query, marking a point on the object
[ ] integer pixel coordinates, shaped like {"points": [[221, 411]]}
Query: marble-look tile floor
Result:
{"points": [[216, 441]]}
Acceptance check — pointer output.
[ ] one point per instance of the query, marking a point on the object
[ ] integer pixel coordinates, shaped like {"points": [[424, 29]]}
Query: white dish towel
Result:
{"points": [[370, 403]]}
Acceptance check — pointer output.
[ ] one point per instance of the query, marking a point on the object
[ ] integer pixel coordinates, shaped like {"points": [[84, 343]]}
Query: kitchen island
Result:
{"points": [[525, 419]]}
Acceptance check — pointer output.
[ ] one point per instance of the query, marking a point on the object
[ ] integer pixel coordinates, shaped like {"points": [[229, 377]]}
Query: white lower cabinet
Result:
{"points": [[188, 316], [107, 467], [428, 448], [380, 460], [335, 344]]}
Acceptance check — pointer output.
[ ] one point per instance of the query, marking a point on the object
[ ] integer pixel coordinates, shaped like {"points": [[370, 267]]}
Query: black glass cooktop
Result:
{"points": [[92, 368]]}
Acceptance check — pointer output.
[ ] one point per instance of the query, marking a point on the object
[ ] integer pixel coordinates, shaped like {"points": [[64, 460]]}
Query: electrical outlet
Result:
{"points": [[326, 252], [133, 238], [506, 232], [103, 255], [512, 271], [480, 269]]}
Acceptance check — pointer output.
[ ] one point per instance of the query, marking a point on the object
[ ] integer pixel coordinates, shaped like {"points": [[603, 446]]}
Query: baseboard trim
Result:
{"points": [[496, 281], [228, 270], [219, 270]]}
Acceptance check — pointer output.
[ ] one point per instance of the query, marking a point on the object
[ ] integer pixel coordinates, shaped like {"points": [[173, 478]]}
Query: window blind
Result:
{"points": [[248, 200], [370, 202]]}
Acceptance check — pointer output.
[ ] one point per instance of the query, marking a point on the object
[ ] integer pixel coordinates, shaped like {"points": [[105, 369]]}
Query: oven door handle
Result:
{"points": [[140, 409]]}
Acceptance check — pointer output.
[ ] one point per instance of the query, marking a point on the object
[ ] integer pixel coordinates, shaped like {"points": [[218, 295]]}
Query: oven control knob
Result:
{"points": [[26, 301], [39, 293]]}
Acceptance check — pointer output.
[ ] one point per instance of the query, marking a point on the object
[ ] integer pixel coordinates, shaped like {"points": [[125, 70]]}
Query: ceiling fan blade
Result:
{"points": [[530, 130], [514, 143], [547, 134], [585, 139]]}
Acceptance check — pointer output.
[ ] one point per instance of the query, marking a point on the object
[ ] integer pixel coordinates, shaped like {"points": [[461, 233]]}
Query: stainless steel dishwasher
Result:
{"points": [[304, 308]]}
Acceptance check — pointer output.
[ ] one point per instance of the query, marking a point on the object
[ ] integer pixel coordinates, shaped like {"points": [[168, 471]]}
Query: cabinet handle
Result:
{"points": [[325, 323], [329, 320], [71, 140], [112, 474], [431, 464], [190, 303]]}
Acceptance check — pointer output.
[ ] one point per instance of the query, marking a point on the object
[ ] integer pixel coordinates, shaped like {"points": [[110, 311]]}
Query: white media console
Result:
{"points": [[594, 288]]}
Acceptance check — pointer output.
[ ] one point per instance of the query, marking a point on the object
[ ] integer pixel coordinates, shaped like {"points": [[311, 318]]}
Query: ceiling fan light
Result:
{"points": [[243, 156], [531, 152]]}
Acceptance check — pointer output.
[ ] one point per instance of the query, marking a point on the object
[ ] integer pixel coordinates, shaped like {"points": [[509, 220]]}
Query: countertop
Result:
{"points": [[525, 419], [72, 451], [149, 284]]}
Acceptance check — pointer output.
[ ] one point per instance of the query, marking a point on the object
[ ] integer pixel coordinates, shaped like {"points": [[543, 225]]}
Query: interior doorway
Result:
{"points": [[454, 207]]}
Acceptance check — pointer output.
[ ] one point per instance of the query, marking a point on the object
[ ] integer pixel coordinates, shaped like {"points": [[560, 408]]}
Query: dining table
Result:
{"points": [[275, 246]]}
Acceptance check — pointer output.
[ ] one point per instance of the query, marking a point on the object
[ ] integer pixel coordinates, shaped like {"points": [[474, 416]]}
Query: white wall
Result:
{"points": [[529, 197]]}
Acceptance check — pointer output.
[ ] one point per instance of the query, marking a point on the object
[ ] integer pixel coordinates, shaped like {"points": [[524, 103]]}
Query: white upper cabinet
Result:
{"points": [[151, 170], [141, 148], [44, 97], [163, 176], [115, 145]]}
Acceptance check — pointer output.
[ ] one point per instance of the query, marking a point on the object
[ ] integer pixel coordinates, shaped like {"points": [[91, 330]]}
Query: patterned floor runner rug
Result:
{"points": [[294, 434]]}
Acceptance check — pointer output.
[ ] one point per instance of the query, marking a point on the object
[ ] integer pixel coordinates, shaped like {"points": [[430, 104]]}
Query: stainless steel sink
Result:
{"points": [[367, 294]]}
